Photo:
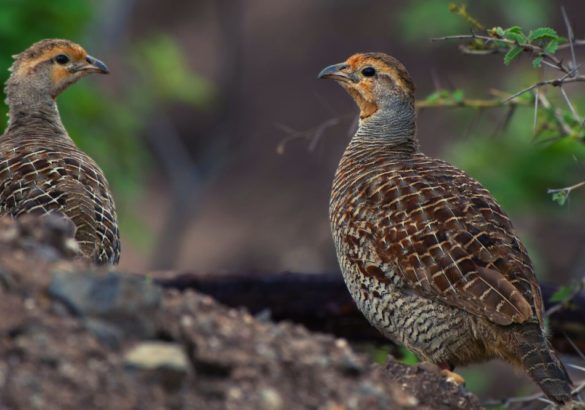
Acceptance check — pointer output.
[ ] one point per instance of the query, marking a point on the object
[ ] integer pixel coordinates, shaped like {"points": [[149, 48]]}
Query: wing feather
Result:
{"points": [[447, 238]]}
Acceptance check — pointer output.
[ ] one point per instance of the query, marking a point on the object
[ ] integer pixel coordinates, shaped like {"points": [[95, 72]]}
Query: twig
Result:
{"points": [[574, 346], [462, 11], [556, 114], [576, 43], [557, 82], [313, 135], [511, 400], [570, 105], [534, 49], [580, 286], [536, 100], [568, 189], [570, 37], [468, 103], [532, 397]]}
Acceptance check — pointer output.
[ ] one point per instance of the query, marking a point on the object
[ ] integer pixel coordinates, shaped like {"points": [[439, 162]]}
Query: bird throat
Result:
{"points": [[367, 106], [392, 125], [29, 108]]}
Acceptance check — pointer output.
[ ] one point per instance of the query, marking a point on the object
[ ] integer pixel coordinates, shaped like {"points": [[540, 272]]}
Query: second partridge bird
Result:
{"points": [[426, 252], [41, 169]]}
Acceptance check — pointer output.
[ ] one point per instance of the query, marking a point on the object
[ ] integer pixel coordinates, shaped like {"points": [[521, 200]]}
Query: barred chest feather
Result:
{"points": [[411, 232]]}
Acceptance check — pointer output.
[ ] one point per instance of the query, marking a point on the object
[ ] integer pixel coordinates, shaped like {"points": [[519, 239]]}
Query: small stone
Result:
{"points": [[3, 373], [403, 398], [350, 365], [13, 312], [186, 321], [125, 301], [162, 363], [106, 333], [154, 355], [341, 343], [234, 393], [270, 399]]}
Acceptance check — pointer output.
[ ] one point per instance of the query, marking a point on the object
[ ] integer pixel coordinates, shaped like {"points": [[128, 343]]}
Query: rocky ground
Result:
{"points": [[74, 337]]}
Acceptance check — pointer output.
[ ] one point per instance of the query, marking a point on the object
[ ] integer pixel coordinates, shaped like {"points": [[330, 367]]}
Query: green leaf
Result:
{"points": [[562, 294], [518, 38], [437, 96], [514, 29], [551, 47], [537, 62], [560, 197], [458, 96], [512, 54], [408, 357], [543, 32], [499, 31], [379, 353], [515, 34]]}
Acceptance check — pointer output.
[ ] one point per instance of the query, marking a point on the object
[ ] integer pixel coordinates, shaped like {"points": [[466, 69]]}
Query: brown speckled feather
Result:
{"points": [[436, 228], [43, 175], [41, 169], [429, 257]]}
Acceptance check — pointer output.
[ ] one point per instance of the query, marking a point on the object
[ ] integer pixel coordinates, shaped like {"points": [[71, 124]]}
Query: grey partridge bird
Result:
{"points": [[429, 256], [42, 171]]}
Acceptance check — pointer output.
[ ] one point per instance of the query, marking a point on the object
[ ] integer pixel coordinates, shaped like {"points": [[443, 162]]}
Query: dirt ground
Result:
{"points": [[73, 337]]}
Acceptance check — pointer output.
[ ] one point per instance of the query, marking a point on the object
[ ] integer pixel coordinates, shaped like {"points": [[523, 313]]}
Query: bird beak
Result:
{"points": [[336, 72], [94, 66]]}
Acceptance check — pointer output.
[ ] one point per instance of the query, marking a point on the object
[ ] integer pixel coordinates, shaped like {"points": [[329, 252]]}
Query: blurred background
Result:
{"points": [[220, 143]]}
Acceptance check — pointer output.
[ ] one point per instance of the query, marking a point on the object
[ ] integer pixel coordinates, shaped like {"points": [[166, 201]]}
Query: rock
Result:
{"points": [[156, 355], [125, 301], [12, 313], [270, 399], [425, 383], [84, 339], [51, 235], [165, 363]]}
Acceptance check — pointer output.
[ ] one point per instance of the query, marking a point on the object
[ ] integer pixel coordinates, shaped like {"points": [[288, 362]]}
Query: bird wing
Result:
{"points": [[42, 180], [447, 238]]}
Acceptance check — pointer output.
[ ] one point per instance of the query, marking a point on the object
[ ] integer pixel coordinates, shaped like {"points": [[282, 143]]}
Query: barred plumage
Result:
{"points": [[41, 169], [429, 256]]}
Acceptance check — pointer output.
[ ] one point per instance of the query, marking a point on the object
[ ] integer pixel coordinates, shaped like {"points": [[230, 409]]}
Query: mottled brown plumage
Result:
{"points": [[429, 256], [41, 169]]}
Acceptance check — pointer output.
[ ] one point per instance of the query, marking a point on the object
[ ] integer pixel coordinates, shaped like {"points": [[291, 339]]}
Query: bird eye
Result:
{"points": [[62, 59], [368, 72]]}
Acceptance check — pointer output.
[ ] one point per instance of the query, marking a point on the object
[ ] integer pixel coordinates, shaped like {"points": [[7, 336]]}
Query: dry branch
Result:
{"points": [[321, 303]]}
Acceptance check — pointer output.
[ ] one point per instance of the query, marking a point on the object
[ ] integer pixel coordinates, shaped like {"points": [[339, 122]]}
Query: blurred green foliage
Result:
{"points": [[162, 63], [379, 353], [408, 357], [542, 146], [23, 22], [107, 126], [420, 20], [514, 166]]}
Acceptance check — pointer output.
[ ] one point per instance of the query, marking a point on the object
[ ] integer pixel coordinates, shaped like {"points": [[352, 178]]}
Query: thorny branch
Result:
{"points": [[532, 48], [525, 399], [313, 135], [570, 298], [512, 41]]}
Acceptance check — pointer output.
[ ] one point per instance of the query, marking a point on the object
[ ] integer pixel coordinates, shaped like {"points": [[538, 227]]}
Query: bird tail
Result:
{"points": [[543, 366]]}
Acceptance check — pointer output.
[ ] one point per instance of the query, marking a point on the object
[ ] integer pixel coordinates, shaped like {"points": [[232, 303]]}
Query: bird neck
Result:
{"points": [[32, 108], [392, 126]]}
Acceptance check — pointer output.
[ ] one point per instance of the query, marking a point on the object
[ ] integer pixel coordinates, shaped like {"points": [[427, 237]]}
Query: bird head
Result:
{"points": [[50, 66], [376, 81]]}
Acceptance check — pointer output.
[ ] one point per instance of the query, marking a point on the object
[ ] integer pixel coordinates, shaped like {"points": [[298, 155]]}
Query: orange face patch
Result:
{"points": [[59, 73], [364, 98], [384, 64], [71, 50]]}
